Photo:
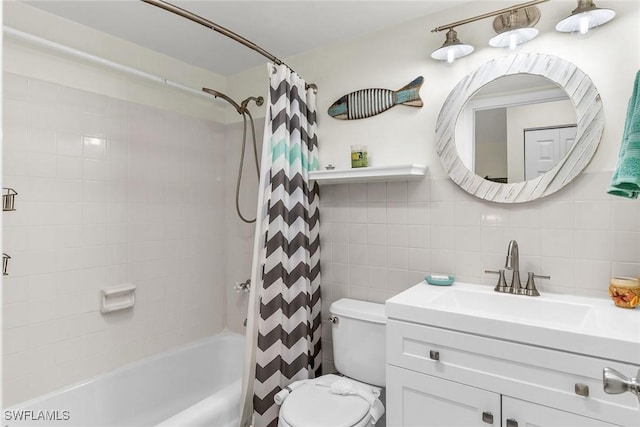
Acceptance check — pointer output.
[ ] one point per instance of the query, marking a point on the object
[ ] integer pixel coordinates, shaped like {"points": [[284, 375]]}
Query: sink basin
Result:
{"points": [[577, 324], [511, 307]]}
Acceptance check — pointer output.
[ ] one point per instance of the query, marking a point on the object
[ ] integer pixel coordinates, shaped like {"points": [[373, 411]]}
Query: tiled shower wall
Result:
{"points": [[109, 192], [240, 235], [378, 239]]}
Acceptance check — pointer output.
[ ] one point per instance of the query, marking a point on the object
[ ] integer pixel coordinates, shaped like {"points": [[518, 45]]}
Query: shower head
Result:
{"points": [[259, 101], [223, 96], [242, 108]]}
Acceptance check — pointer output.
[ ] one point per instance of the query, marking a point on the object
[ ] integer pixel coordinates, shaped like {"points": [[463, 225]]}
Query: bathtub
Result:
{"points": [[195, 385]]}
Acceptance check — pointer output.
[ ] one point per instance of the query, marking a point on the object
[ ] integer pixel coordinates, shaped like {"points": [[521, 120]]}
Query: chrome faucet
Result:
{"points": [[513, 263]]}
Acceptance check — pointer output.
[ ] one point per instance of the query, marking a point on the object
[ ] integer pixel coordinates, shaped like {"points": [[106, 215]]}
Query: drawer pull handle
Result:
{"points": [[512, 423], [434, 355], [487, 417], [582, 389]]}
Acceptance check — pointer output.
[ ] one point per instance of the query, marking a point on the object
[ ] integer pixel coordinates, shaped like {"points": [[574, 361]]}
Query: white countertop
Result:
{"points": [[583, 325]]}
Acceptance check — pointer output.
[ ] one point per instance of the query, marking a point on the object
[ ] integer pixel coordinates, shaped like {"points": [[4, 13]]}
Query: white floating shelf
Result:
{"points": [[369, 174]]}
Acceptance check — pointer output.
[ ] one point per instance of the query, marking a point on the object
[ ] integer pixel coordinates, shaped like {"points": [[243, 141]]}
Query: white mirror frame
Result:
{"points": [[590, 125]]}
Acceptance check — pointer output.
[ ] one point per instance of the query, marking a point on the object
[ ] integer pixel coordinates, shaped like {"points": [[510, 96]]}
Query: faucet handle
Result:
{"points": [[530, 289], [502, 283]]}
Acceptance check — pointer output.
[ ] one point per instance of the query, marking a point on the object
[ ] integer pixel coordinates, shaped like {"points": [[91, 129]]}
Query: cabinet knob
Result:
{"points": [[434, 355], [582, 389], [512, 423], [487, 417]]}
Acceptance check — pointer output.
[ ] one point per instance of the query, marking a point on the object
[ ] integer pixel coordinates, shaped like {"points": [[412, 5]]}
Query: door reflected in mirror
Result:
{"points": [[515, 128]]}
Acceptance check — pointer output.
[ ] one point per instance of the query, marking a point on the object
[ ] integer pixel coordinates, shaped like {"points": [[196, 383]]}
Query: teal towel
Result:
{"points": [[625, 181]]}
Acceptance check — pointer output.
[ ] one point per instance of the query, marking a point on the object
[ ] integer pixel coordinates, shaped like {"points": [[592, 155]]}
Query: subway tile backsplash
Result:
{"points": [[110, 192], [580, 236]]}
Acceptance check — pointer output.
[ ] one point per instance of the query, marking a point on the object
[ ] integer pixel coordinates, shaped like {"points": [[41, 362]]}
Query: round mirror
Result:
{"points": [[519, 128]]}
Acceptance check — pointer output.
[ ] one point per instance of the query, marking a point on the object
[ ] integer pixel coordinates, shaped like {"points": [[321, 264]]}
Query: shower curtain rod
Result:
{"points": [[42, 42], [222, 30]]}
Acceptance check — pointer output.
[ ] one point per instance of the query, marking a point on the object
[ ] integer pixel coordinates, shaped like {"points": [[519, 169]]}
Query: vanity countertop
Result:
{"points": [[583, 325]]}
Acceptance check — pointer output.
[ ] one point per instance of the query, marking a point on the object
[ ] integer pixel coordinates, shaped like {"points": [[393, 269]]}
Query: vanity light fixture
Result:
{"points": [[514, 26], [452, 48], [585, 18]]}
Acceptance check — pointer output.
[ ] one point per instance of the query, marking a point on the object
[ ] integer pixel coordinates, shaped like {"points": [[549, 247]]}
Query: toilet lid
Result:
{"points": [[312, 405]]}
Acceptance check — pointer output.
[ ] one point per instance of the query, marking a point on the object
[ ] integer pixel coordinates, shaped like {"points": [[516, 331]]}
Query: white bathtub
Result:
{"points": [[195, 385]]}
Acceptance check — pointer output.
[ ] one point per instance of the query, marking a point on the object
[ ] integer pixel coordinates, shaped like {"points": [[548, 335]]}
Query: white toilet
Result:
{"points": [[359, 339]]}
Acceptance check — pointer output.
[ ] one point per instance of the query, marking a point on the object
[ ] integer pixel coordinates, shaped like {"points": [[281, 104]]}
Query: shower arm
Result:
{"points": [[222, 30]]}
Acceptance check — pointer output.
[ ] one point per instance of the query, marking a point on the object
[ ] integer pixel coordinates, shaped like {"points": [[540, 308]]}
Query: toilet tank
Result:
{"points": [[359, 340]]}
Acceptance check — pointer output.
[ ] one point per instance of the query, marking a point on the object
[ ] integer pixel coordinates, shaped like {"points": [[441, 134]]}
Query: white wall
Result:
{"points": [[394, 57], [29, 60]]}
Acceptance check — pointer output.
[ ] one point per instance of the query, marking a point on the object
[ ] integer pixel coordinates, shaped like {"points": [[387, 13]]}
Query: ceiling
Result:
{"points": [[283, 28]]}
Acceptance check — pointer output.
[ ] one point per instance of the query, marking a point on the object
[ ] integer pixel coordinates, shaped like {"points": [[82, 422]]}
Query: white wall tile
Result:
{"points": [[397, 191], [595, 245], [376, 234], [357, 193], [557, 243], [442, 213], [443, 190], [418, 236], [69, 144], [592, 274], [419, 190], [593, 215], [396, 212], [625, 215], [625, 246], [41, 141], [397, 235], [377, 256], [397, 257], [377, 192], [358, 213], [418, 260], [418, 213], [557, 215], [377, 212], [72, 236]]}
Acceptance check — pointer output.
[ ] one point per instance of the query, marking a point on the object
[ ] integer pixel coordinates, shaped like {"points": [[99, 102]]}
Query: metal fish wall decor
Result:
{"points": [[369, 102]]}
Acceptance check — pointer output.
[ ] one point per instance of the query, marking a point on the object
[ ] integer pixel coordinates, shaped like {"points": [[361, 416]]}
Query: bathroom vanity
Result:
{"points": [[467, 356]]}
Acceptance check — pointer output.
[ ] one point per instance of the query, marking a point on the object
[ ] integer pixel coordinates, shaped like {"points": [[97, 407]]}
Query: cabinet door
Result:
{"points": [[418, 400], [518, 413]]}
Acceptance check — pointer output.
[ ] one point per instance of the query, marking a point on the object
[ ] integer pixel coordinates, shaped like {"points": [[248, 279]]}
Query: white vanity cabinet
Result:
{"points": [[446, 370]]}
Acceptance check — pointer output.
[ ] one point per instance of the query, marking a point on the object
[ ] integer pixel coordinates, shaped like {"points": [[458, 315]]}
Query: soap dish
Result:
{"points": [[440, 280]]}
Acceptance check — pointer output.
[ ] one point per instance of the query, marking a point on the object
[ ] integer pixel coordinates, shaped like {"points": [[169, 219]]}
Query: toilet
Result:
{"points": [[350, 399]]}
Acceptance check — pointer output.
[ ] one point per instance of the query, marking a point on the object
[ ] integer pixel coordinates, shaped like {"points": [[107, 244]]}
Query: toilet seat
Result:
{"points": [[312, 405]]}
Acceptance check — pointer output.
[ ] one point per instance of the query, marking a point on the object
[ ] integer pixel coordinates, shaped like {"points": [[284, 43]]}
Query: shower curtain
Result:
{"points": [[284, 325]]}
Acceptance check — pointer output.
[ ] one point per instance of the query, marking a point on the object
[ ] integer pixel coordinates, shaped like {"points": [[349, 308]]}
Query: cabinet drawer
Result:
{"points": [[417, 400], [544, 376]]}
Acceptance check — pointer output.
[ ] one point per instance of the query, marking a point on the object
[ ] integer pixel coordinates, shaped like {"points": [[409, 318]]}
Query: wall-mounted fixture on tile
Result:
{"points": [[5, 263], [8, 199], [119, 298], [514, 25]]}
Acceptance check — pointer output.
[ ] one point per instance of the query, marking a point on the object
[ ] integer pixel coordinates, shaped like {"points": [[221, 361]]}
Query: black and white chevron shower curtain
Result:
{"points": [[288, 339]]}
